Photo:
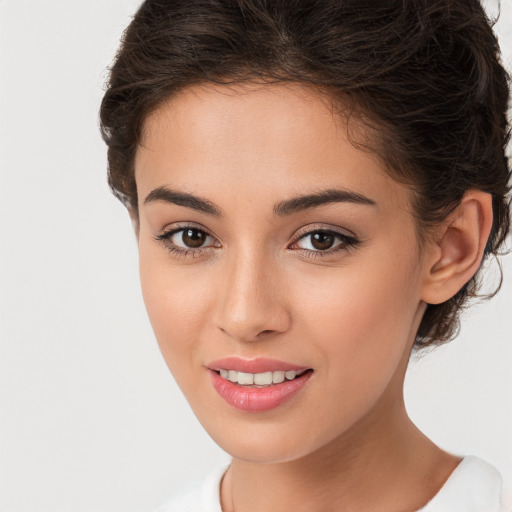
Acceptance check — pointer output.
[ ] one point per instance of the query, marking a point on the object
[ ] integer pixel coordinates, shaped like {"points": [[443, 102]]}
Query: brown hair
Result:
{"points": [[423, 75]]}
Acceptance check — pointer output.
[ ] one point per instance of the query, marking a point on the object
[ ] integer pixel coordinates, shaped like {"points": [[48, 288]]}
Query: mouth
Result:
{"points": [[260, 380], [257, 385]]}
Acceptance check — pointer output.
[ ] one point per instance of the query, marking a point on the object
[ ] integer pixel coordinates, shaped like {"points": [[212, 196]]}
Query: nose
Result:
{"points": [[251, 304]]}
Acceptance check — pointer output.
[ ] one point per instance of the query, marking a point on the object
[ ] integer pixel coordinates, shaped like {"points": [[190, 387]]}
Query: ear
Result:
{"points": [[455, 256]]}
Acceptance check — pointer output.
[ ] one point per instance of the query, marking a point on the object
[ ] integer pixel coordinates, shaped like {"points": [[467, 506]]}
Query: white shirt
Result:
{"points": [[474, 486]]}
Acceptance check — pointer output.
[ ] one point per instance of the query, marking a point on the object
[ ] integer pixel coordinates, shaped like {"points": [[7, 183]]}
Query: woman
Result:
{"points": [[314, 187]]}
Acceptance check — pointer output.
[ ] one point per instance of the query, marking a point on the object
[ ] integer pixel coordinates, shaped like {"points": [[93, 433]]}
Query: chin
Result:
{"points": [[265, 453], [268, 443]]}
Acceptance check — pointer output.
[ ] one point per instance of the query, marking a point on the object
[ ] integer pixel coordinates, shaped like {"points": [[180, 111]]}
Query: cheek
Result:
{"points": [[175, 301], [361, 321], [363, 309]]}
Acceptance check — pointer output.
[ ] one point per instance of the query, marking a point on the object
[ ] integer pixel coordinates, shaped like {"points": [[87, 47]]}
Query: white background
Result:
{"points": [[90, 419]]}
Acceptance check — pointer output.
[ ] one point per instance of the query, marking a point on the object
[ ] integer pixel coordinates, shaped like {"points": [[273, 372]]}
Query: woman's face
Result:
{"points": [[270, 244]]}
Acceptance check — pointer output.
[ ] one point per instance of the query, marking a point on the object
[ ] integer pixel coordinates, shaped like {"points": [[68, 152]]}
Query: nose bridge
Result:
{"points": [[250, 304]]}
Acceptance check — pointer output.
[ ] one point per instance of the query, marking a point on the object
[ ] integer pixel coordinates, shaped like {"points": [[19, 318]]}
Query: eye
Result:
{"points": [[318, 241], [324, 241], [187, 240]]}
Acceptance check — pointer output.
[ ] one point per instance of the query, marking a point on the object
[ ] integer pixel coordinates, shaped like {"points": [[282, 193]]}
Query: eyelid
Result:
{"points": [[164, 237], [348, 241], [171, 229], [313, 228]]}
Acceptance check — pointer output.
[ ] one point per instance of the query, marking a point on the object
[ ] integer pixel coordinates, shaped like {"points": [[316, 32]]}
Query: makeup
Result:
{"points": [[257, 385]]}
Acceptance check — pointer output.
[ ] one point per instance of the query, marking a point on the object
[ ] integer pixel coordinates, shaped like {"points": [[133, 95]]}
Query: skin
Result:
{"points": [[259, 288]]}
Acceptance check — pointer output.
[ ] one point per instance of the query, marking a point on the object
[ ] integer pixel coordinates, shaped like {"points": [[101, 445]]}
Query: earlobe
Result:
{"points": [[458, 251]]}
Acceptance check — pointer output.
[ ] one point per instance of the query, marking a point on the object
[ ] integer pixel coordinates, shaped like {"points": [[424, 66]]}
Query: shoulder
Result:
{"points": [[200, 497], [474, 486]]}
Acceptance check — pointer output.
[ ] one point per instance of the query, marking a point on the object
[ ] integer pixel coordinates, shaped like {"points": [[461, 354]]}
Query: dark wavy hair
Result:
{"points": [[423, 76]]}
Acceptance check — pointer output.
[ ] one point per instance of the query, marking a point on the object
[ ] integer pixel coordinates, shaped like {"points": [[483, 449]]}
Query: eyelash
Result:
{"points": [[348, 242], [166, 236]]}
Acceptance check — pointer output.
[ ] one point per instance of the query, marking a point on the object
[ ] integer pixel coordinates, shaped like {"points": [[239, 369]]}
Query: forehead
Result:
{"points": [[275, 140], [257, 103]]}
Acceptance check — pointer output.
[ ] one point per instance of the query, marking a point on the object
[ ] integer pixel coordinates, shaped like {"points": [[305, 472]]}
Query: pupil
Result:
{"points": [[193, 237], [322, 241]]}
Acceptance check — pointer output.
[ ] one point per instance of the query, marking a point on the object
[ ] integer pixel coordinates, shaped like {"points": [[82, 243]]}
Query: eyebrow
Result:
{"points": [[183, 199], [305, 202], [281, 209]]}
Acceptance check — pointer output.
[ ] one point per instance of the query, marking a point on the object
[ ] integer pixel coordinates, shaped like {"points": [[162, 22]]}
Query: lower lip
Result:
{"points": [[250, 399]]}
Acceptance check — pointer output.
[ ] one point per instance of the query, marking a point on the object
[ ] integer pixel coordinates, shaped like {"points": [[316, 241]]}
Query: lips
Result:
{"points": [[259, 365], [257, 385]]}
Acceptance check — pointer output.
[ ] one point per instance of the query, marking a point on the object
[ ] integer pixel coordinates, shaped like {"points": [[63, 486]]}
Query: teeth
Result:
{"points": [[278, 377], [246, 379], [258, 379], [263, 379]]}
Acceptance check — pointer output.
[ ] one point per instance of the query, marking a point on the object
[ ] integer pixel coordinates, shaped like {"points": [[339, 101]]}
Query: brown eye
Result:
{"points": [[193, 238], [322, 241], [187, 239]]}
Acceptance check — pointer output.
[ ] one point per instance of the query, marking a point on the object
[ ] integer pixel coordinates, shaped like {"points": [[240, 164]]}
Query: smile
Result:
{"points": [[257, 385], [264, 379]]}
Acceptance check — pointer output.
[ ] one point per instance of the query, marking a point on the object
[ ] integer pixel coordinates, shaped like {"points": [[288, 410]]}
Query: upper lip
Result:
{"points": [[258, 365]]}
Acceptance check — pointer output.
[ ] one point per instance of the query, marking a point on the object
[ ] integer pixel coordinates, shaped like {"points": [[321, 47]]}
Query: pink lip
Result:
{"points": [[259, 365], [253, 399]]}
